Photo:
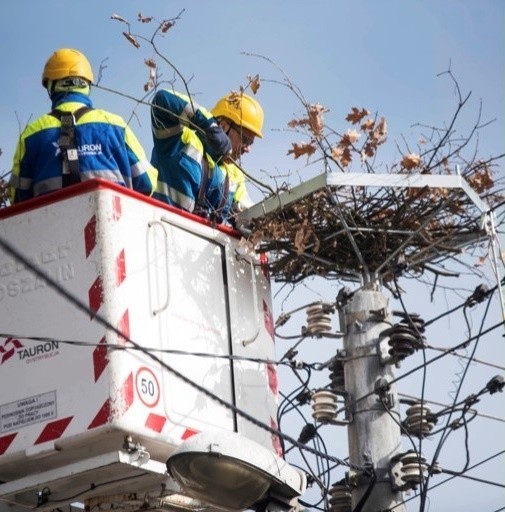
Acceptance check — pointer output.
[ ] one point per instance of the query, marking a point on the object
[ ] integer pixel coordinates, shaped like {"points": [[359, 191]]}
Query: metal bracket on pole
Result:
{"points": [[342, 241], [381, 389]]}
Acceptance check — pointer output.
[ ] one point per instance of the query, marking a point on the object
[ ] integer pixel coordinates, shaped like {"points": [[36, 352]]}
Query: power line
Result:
{"points": [[445, 436], [476, 296], [115, 346], [456, 473], [450, 351], [420, 367], [460, 345]]}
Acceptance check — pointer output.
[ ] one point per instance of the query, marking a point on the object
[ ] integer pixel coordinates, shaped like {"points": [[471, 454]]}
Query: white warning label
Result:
{"points": [[26, 411]]}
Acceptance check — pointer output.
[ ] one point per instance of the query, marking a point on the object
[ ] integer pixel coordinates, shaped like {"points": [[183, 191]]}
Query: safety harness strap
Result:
{"points": [[200, 200], [200, 206], [67, 144], [224, 197]]}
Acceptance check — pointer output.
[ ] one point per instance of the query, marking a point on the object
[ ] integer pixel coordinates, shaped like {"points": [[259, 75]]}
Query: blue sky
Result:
{"points": [[385, 56]]}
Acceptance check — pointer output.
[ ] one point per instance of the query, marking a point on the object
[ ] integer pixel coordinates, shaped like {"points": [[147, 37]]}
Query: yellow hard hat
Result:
{"points": [[66, 62], [241, 109]]}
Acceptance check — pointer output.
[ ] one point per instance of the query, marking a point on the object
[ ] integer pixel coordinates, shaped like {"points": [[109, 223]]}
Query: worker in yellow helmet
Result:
{"points": [[195, 151], [241, 118], [75, 142]]}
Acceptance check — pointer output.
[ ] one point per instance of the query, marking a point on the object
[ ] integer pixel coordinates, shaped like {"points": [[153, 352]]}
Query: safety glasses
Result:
{"points": [[246, 140]]}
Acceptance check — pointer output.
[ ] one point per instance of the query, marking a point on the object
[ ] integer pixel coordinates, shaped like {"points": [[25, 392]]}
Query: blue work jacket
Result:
{"points": [[107, 148], [187, 141]]}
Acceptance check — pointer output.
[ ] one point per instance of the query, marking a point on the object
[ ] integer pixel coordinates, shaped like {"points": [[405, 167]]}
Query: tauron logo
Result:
{"points": [[8, 349], [57, 148]]}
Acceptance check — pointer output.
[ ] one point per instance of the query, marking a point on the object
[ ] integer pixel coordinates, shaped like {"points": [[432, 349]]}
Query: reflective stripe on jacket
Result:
{"points": [[240, 197], [106, 146]]}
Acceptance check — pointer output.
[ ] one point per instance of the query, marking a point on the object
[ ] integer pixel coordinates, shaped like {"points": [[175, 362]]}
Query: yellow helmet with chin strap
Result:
{"points": [[241, 109], [66, 62]]}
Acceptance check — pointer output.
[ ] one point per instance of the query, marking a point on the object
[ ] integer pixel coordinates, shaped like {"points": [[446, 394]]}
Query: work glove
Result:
{"points": [[217, 142]]}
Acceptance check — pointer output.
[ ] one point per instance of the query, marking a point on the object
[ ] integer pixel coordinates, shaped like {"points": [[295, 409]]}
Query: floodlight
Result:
{"points": [[231, 472]]}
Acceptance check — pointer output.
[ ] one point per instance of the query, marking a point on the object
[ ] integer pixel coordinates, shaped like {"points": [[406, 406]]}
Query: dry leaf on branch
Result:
{"points": [[367, 125], [151, 64], [255, 83], [368, 151], [380, 132], [302, 148], [118, 18], [297, 122], [132, 40], [316, 118], [350, 137], [342, 154], [336, 152], [481, 180], [166, 26], [346, 158], [411, 161], [356, 115], [144, 19]]}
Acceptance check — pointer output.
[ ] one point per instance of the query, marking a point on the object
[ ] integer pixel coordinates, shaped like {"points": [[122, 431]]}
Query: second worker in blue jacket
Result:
{"points": [[195, 151]]}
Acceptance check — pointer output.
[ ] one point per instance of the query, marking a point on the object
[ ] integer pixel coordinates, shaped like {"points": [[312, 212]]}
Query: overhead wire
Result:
{"points": [[120, 347], [316, 476], [437, 358], [474, 360], [463, 420], [301, 395], [462, 371], [289, 400], [444, 436], [459, 306], [474, 478]]}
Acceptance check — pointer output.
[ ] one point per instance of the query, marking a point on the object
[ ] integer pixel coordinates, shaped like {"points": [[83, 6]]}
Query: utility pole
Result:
{"points": [[373, 434], [371, 236]]}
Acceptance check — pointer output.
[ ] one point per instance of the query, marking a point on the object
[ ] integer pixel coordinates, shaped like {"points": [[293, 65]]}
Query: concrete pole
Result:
{"points": [[373, 435]]}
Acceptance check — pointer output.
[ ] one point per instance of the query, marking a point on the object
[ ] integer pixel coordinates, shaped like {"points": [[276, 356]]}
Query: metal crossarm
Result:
{"points": [[334, 179], [344, 225]]}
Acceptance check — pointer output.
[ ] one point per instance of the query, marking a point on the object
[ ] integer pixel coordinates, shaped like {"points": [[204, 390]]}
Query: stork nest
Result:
{"points": [[346, 232]]}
